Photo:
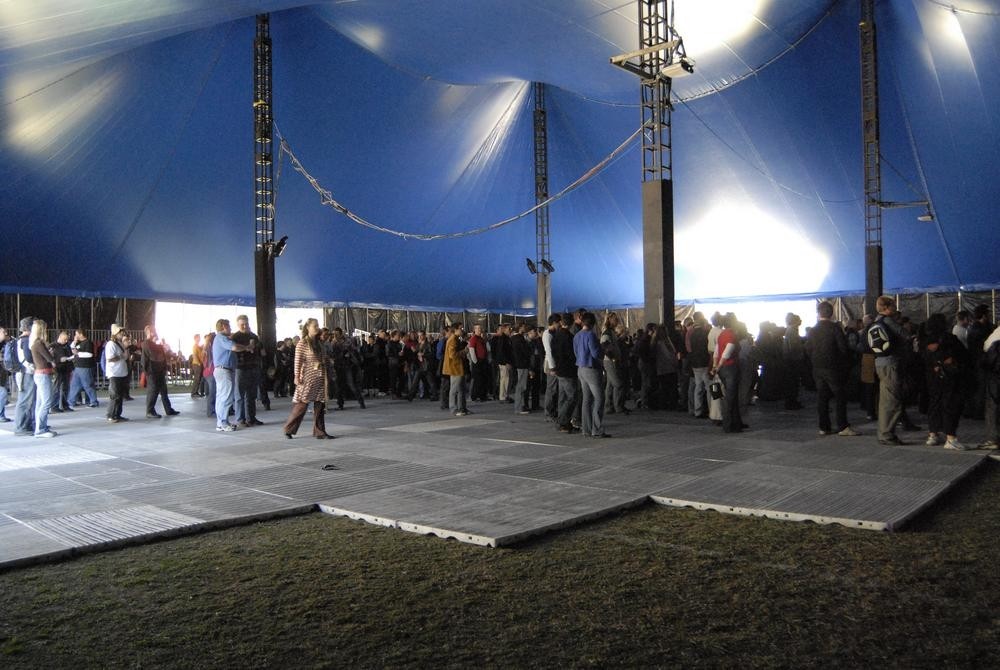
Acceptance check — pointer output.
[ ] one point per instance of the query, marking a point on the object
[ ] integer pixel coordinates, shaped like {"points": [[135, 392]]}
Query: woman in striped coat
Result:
{"points": [[310, 382]]}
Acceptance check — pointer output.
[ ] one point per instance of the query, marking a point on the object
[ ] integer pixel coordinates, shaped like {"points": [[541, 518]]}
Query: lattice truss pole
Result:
{"points": [[872, 167], [263, 136], [542, 250], [263, 184], [655, 21]]}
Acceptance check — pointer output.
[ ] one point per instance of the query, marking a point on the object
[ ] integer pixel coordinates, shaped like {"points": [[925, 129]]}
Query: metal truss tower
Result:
{"points": [[543, 260], [263, 185], [658, 46], [872, 167]]}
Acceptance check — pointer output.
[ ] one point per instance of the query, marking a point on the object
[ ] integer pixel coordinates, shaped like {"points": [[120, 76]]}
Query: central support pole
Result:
{"points": [[263, 185], [872, 166], [543, 280], [657, 166]]}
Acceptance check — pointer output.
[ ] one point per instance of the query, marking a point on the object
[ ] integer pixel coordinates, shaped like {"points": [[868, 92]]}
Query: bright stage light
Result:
{"points": [[742, 251], [706, 25]]}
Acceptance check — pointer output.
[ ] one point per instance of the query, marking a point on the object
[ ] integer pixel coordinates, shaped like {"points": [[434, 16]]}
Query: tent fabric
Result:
{"points": [[127, 149]]}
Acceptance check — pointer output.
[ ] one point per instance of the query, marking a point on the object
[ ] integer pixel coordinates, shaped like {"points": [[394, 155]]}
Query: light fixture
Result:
{"points": [[278, 248], [531, 266], [547, 266], [926, 216]]}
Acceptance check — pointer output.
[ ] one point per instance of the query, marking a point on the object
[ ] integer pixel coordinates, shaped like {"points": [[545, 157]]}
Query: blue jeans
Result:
{"points": [[83, 380], [592, 415], [224, 389], [698, 395], [24, 412], [3, 400], [43, 398]]}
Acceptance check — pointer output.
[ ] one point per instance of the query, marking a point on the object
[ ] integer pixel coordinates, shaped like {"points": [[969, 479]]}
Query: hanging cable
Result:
{"points": [[326, 197]]}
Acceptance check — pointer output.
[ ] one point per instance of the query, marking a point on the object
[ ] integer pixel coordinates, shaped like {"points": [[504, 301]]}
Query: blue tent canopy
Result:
{"points": [[127, 148]]}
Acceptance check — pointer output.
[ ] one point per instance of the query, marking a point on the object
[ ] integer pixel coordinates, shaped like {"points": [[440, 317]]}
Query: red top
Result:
{"points": [[479, 344], [726, 337]]}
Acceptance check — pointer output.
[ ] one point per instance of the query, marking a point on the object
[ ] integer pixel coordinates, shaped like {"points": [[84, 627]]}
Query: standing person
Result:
{"points": [[444, 387], [84, 365], [209, 375], [24, 410], [615, 394], [979, 330], [990, 364], [424, 358], [309, 371], [520, 356], [566, 374], [589, 364], [698, 358], [947, 371], [726, 366], [393, 354], [4, 377], [63, 357], [665, 364], [830, 356], [224, 352], [45, 367], [154, 364], [503, 358], [345, 357], [551, 404], [885, 339], [247, 372], [197, 368], [480, 364], [116, 370], [454, 368], [793, 356]]}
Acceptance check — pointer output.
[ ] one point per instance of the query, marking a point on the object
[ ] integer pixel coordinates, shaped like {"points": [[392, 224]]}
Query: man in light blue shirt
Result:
{"points": [[224, 357], [589, 357]]}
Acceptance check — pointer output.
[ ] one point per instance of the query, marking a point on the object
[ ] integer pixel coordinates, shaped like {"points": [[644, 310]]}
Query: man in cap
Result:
{"points": [[116, 369]]}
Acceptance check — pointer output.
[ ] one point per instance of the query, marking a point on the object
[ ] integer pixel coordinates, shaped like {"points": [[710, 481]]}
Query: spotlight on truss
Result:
{"points": [[547, 266], [532, 268]]}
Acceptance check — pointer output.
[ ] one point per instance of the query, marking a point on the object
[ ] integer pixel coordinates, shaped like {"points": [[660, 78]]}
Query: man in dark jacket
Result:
{"points": [[565, 360], [827, 348]]}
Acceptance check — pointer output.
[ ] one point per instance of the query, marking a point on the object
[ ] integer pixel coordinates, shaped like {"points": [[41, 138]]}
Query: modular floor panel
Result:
{"points": [[491, 479]]}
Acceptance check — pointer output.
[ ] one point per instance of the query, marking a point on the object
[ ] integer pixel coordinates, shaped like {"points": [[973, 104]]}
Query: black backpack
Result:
{"points": [[10, 362]]}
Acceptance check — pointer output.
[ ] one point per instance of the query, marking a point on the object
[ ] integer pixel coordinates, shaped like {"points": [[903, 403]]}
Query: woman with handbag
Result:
{"points": [[309, 372]]}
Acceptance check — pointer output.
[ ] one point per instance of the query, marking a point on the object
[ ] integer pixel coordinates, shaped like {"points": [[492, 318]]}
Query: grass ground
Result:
{"points": [[652, 587]]}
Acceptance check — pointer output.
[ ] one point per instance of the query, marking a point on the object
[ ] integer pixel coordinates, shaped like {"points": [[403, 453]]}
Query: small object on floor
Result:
{"points": [[330, 466], [848, 432]]}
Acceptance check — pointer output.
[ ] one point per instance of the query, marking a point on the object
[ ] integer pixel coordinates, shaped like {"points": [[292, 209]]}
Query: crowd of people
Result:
{"points": [[574, 370]]}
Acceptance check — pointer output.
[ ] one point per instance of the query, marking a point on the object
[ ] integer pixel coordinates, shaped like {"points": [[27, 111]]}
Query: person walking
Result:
{"points": [[309, 371], [154, 365]]}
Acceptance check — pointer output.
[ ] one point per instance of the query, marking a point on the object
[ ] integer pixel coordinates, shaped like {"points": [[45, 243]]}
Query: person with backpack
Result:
{"points": [[886, 341], [5, 372], [24, 376]]}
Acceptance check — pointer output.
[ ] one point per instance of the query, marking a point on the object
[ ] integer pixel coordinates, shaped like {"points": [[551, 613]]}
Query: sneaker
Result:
{"points": [[228, 428], [461, 413], [524, 411], [48, 433], [848, 432], [153, 415], [4, 419], [933, 441], [956, 445], [112, 419], [825, 432], [988, 444]]}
